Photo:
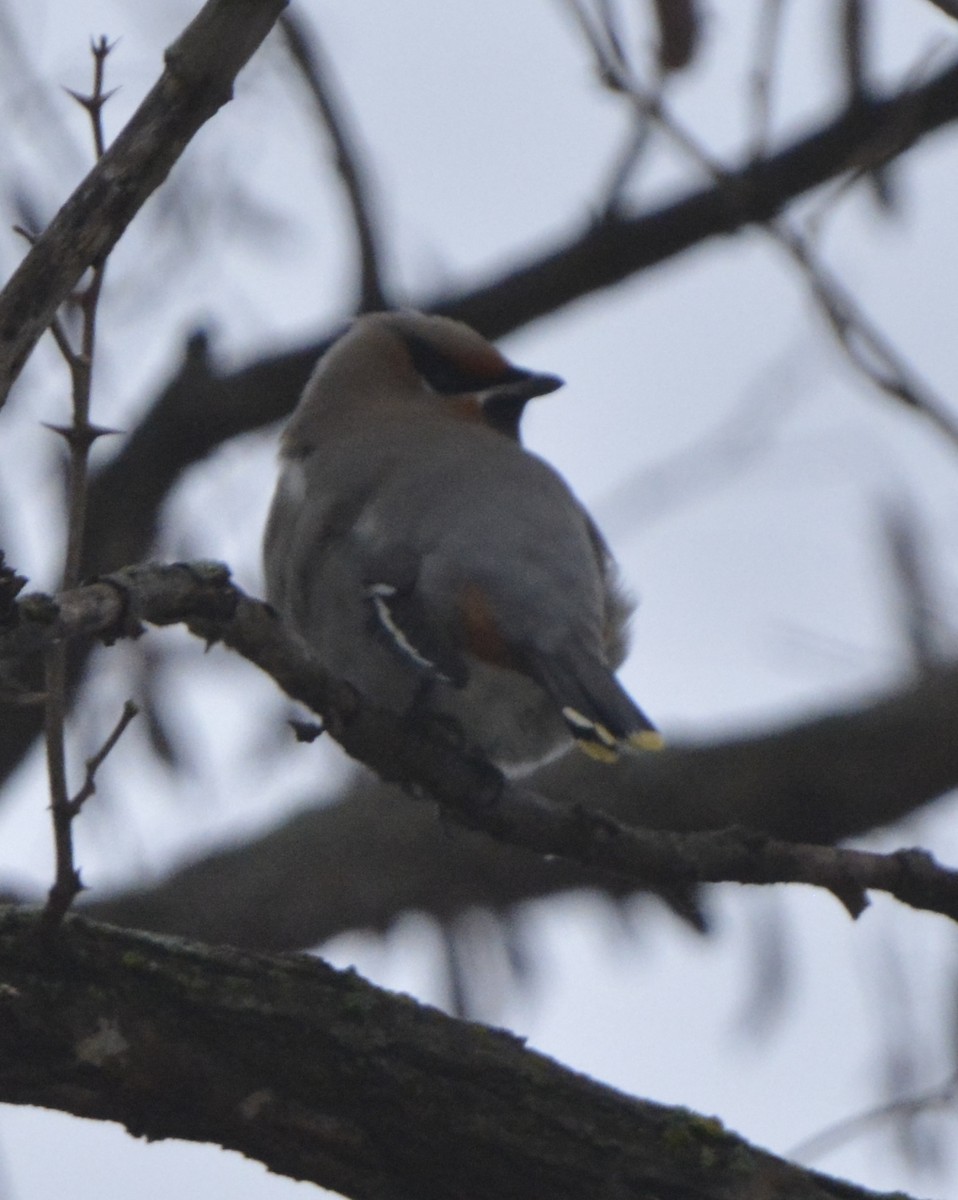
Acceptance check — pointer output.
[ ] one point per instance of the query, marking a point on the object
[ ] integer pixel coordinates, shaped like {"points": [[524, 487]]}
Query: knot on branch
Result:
{"points": [[200, 592], [126, 624]]}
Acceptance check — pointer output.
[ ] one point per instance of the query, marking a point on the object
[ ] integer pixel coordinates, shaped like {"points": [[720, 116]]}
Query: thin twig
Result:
{"points": [[93, 764], [865, 345], [843, 1132], [769, 40], [624, 167], [854, 41], [79, 436], [316, 72], [909, 562], [716, 456], [604, 38], [612, 28], [56, 325], [594, 33]]}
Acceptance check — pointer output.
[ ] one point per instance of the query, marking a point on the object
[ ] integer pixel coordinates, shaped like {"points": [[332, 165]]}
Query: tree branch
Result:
{"points": [[198, 79], [79, 436], [315, 1073], [306, 55], [470, 791], [866, 347]]}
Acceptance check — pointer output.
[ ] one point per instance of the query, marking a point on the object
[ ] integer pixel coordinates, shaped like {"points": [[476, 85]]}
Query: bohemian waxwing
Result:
{"points": [[435, 564]]}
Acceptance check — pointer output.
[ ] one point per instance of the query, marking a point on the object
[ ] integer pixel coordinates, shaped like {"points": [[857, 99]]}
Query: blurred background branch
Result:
{"points": [[599, 179]]}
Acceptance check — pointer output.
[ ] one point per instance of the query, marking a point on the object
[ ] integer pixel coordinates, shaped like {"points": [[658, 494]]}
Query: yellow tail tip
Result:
{"points": [[601, 753], [647, 739]]}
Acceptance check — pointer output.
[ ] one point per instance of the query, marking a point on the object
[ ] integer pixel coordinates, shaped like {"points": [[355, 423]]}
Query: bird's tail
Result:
{"points": [[600, 714]]}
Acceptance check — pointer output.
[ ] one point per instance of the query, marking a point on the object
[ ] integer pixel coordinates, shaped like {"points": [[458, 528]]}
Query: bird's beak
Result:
{"points": [[503, 403], [521, 386]]}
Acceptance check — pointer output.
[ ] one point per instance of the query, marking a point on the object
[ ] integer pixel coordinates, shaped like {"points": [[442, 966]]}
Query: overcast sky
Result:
{"points": [[759, 562]]}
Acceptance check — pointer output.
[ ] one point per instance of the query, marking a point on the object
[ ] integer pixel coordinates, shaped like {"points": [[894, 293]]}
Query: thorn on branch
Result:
{"points": [[91, 103], [196, 355], [101, 47], [81, 436], [215, 576], [852, 897]]}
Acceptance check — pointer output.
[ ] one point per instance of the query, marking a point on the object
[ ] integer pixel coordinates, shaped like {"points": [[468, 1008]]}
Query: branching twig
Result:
{"points": [[67, 884], [201, 66], [93, 764], [864, 343], [604, 30], [79, 436]]}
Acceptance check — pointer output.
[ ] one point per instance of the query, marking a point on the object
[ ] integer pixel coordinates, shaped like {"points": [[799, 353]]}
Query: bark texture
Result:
{"points": [[322, 1077]]}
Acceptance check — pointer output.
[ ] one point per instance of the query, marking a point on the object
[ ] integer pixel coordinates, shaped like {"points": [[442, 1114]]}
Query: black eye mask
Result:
{"points": [[504, 396]]}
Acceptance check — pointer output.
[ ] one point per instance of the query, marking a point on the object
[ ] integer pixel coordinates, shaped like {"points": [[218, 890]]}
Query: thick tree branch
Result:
{"points": [[470, 791], [617, 247], [198, 79], [322, 1077]]}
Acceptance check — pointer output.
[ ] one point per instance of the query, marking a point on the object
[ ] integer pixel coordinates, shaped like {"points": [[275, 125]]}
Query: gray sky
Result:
{"points": [[764, 589]]}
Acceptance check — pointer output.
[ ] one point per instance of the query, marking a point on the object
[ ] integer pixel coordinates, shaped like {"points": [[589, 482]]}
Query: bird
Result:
{"points": [[437, 565]]}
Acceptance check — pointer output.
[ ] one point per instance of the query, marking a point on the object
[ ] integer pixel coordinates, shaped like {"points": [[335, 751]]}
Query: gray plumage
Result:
{"points": [[433, 562]]}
